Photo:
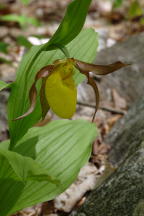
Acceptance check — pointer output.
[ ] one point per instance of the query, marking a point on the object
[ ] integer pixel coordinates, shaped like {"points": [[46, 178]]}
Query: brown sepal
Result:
{"points": [[85, 68], [44, 103], [92, 83], [99, 69], [43, 73], [44, 121]]}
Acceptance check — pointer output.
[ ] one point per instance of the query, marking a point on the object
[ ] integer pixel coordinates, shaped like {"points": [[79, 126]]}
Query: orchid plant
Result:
{"points": [[58, 90], [38, 163]]}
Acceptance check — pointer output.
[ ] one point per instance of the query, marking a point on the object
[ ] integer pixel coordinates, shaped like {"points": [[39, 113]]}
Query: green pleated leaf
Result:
{"points": [[61, 148], [5, 144], [4, 85], [24, 168], [82, 47], [72, 23], [17, 170]]}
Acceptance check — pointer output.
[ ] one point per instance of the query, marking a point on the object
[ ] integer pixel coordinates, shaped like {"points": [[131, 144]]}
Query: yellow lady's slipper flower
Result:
{"points": [[58, 89]]}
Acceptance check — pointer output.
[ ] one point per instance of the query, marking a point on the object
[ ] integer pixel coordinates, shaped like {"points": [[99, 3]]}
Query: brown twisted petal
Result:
{"points": [[43, 121], [44, 103], [95, 88], [99, 69], [85, 68], [44, 72], [92, 83]]}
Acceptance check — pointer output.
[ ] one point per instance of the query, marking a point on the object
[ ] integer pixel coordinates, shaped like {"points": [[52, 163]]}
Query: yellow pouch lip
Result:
{"points": [[61, 92]]}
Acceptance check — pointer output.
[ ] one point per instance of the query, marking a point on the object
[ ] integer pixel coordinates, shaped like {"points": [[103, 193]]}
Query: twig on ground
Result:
{"points": [[107, 109]]}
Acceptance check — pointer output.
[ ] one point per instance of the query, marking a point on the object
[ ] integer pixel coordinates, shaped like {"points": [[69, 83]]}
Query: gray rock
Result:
{"points": [[122, 194], [127, 134], [128, 81]]}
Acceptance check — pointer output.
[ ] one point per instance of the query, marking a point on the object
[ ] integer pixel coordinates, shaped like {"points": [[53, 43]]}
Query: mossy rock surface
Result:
{"points": [[122, 194]]}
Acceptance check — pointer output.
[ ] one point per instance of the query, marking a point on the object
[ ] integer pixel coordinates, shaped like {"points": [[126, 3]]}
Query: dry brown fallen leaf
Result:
{"points": [[118, 101]]}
